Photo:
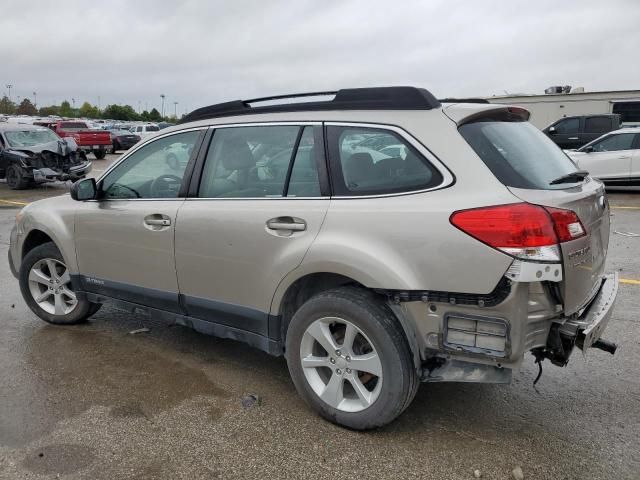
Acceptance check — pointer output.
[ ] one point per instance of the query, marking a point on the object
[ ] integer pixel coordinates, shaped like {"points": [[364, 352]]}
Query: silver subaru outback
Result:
{"points": [[377, 240]]}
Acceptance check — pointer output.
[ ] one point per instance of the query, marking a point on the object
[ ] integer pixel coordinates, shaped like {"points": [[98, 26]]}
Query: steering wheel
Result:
{"points": [[163, 184]]}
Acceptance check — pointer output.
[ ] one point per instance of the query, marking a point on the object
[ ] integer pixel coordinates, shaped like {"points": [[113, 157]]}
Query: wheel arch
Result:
{"points": [[294, 293]]}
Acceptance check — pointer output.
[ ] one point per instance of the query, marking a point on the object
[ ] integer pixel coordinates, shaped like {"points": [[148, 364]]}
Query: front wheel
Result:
{"points": [[16, 178], [350, 360], [100, 154], [45, 284]]}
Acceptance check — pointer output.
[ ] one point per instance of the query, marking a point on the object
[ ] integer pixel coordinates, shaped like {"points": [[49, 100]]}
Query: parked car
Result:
{"points": [[30, 155], [145, 130], [484, 243], [574, 132], [122, 139], [88, 140], [613, 158]]}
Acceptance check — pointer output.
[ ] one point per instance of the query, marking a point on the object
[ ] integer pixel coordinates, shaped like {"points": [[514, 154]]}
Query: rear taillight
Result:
{"points": [[526, 231]]}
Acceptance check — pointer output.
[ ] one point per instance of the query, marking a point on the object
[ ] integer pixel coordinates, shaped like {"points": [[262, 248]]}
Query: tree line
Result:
{"points": [[86, 110]]}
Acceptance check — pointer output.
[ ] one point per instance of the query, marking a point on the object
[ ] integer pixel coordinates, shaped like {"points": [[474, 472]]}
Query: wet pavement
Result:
{"points": [[94, 401]]}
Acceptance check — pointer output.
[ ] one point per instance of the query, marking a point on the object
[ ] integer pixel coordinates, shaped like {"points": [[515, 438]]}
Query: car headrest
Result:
{"points": [[236, 154], [359, 167]]}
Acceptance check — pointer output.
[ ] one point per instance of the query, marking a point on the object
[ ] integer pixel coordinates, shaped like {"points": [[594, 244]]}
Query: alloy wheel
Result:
{"points": [[50, 287], [341, 364]]}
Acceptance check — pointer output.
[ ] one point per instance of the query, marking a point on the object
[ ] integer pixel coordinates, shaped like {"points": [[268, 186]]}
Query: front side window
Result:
{"points": [[622, 141], [371, 161], [254, 162], [153, 171], [568, 126], [597, 124]]}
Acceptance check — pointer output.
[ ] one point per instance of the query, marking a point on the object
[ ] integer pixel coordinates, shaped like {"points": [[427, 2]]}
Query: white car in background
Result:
{"points": [[146, 130], [613, 158]]}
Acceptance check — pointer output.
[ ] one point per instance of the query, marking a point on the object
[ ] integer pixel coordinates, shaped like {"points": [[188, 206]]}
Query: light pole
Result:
{"points": [[139, 106], [35, 99], [9, 87], [175, 109], [162, 97]]}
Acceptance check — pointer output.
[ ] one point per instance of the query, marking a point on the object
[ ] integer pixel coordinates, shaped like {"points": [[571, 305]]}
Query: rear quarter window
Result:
{"points": [[371, 161], [518, 154]]}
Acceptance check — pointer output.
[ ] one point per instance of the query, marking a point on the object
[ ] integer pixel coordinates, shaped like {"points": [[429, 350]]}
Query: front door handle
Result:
{"points": [[287, 223], [573, 138], [156, 220]]}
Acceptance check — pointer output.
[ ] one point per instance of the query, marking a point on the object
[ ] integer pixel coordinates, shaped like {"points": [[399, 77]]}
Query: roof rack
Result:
{"points": [[463, 100], [378, 98]]}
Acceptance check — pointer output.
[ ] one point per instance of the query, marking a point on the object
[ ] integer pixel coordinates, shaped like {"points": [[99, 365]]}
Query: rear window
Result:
{"points": [[74, 126], [518, 154]]}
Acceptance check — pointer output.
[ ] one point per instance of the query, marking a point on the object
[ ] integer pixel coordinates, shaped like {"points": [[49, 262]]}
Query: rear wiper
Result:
{"points": [[572, 177]]}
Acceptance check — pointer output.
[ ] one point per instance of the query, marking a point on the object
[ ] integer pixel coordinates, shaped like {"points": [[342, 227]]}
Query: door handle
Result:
{"points": [[572, 138], [157, 220], [287, 223]]}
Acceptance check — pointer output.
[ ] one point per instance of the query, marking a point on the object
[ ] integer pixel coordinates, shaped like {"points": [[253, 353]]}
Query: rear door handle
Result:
{"points": [[573, 138], [287, 223]]}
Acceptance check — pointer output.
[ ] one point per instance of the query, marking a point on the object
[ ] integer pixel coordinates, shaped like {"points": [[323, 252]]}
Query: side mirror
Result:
{"points": [[589, 149], [84, 189], [552, 130]]}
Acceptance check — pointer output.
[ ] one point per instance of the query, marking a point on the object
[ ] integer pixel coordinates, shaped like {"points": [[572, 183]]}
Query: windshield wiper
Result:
{"points": [[572, 177]]}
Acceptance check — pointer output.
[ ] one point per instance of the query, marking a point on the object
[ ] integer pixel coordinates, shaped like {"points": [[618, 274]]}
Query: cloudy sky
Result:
{"points": [[202, 52]]}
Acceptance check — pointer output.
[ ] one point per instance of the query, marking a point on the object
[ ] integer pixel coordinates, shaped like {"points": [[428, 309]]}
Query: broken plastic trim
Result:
{"points": [[497, 296]]}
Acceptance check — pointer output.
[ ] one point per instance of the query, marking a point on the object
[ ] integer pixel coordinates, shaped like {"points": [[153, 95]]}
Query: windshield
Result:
{"points": [[518, 154], [29, 138]]}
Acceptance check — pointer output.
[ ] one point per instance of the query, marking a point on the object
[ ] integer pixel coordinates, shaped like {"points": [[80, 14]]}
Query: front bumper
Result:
{"points": [[49, 175], [11, 252]]}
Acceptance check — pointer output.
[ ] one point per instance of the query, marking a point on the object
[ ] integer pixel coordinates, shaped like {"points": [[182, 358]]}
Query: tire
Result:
{"points": [[34, 271], [100, 154], [15, 176], [379, 335], [115, 147]]}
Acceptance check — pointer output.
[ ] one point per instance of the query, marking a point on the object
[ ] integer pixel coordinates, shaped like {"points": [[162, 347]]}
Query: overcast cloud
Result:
{"points": [[202, 52]]}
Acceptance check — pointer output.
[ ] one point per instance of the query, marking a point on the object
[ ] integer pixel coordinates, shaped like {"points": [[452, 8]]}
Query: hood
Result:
{"points": [[61, 147]]}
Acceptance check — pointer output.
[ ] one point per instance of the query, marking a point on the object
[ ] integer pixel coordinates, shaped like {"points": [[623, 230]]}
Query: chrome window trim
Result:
{"points": [[447, 177], [141, 144]]}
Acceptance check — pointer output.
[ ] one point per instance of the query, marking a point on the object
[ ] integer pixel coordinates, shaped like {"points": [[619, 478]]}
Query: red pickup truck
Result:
{"points": [[96, 141]]}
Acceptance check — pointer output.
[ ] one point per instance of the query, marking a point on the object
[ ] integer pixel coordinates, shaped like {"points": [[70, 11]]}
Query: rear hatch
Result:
{"points": [[536, 171]]}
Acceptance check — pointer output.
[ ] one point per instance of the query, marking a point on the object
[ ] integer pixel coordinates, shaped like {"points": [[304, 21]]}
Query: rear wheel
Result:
{"points": [[100, 154], [16, 178], [115, 146], [45, 284], [350, 360]]}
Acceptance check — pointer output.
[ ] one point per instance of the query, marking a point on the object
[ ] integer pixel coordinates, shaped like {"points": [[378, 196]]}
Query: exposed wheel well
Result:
{"points": [[306, 287], [34, 239]]}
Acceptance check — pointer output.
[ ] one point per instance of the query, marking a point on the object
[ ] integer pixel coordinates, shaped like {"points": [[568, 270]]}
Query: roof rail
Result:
{"points": [[463, 100], [378, 98]]}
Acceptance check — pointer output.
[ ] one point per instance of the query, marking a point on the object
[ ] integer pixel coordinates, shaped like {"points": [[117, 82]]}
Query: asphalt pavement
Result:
{"points": [[95, 401]]}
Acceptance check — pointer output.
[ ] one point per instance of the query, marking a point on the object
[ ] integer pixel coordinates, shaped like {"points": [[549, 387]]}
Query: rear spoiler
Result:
{"points": [[462, 113]]}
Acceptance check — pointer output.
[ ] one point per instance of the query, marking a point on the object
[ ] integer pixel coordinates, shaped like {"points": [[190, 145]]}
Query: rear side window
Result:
{"points": [[597, 124], [518, 154], [370, 161], [262, 161], [570, 125]]}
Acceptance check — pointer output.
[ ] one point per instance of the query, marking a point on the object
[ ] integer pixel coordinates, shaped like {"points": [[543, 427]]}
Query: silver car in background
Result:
{"points": [[291, 228]]}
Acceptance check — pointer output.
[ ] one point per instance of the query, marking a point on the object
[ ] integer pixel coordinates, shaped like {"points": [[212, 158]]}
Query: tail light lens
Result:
{"points": [[523, 230]]}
